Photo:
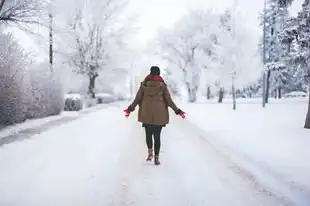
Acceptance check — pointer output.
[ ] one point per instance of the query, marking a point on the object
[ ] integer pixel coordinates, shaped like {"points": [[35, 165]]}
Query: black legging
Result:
{"points": [[150, 131]]}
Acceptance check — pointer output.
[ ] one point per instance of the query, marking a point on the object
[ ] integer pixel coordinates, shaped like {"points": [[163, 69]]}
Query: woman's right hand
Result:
{"points": [[127, 113]]}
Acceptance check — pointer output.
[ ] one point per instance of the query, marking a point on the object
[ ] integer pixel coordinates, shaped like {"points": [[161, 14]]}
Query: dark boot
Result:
{"points": [[150, 156], [156, 160]]}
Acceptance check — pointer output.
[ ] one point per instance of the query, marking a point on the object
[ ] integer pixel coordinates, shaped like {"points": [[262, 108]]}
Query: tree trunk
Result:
{"points": [[51, 41], [264, 89], [191, 93], [2, 4], [221, 95], [250, 95], [275, 93], [267, 86], [279, 92], [91, 85], [208, 93], [307, 122], [192, 97], [234, 97]]}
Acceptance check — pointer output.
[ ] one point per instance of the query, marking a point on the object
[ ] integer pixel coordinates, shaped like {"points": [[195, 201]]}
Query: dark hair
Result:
{"points": [[155, 71]]}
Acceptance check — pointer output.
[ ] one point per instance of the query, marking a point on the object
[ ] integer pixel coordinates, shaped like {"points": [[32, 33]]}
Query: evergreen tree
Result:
{"points": [[277, 52], [298, 35], [303, 39]]}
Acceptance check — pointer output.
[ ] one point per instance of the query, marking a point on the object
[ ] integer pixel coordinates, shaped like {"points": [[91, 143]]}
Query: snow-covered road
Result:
{"points": [[100, 160]]}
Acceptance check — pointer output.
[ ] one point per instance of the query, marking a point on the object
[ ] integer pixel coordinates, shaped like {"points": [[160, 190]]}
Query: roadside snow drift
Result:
{"points": [[271, 142]]}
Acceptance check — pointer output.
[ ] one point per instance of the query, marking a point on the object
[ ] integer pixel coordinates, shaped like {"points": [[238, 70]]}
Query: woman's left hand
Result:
{"points": [[181, 113]]}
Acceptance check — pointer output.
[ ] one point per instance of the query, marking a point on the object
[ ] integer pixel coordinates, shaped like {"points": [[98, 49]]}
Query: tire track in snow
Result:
{"points": [[129, 166], [193, 172], [142, 183]]}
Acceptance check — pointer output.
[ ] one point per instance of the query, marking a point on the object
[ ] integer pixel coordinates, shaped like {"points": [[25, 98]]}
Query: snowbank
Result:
{"points": [[272, 139], [33, 123], [14, 129]]}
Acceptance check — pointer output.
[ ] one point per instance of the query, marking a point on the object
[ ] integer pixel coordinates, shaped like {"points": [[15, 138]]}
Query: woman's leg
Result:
{"points": [[148, 137], [149, 142], [157, 132]]}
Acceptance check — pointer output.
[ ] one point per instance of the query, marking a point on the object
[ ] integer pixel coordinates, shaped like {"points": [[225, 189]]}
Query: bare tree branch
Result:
{"points": [[20, 12], [2, 4]]}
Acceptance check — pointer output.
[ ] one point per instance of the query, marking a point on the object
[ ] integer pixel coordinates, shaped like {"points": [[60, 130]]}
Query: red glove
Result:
{"points": [[127, 113], [182, 114]]}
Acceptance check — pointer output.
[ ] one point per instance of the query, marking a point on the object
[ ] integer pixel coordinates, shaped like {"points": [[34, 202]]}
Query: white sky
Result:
{"points": [[162, 13], [157, 13]]}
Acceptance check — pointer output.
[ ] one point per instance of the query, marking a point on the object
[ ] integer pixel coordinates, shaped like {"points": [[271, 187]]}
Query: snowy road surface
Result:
{"points": [[100, 160]]}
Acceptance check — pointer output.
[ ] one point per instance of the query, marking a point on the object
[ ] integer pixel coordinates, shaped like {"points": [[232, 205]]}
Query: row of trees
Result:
{"points": [[215, 52], [287, 49], [210, 50]]}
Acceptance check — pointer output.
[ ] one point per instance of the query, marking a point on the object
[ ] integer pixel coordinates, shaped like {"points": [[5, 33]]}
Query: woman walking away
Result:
{"points": [[153, 99]]}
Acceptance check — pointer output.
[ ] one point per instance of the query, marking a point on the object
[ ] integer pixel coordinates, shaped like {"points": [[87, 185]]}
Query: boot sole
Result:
{"points": [[149, 159]]}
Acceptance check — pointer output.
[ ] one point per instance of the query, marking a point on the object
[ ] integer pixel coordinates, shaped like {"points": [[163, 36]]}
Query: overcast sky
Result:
{"points": [[162, 13], [157, 13]]}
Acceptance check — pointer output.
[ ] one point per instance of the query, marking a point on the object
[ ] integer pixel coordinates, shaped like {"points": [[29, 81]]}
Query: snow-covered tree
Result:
{"points": [[293, 79], [95, 38], [236, 60], [185, 47], [88, 57], [208, 49], [21, 12], [171, 82], [276, 18], [303, 38], [225, 26], [297, 36], [252, 90]]}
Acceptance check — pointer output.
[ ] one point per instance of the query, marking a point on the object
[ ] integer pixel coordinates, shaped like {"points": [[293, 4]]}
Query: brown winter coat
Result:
{"points": [[153, 99]]}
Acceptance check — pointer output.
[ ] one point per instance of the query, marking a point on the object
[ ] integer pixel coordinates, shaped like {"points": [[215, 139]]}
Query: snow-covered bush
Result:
{"points": [[12, 66], [90, 102], [103, 98], [24, 92], [45, 93], [296, 94], [73, 102]]}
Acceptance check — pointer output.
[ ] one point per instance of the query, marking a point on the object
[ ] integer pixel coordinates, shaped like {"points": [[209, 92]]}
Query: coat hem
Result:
{"points": [[147, 125]]}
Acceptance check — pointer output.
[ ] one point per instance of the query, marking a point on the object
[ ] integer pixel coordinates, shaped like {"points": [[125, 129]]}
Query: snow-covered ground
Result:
{"points": [[35, 123], [270, 143], [16, 128], [99, 159]]}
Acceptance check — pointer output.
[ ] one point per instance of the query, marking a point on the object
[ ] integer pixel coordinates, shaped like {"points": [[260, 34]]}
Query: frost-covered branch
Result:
{"points": [[20, 12]]}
